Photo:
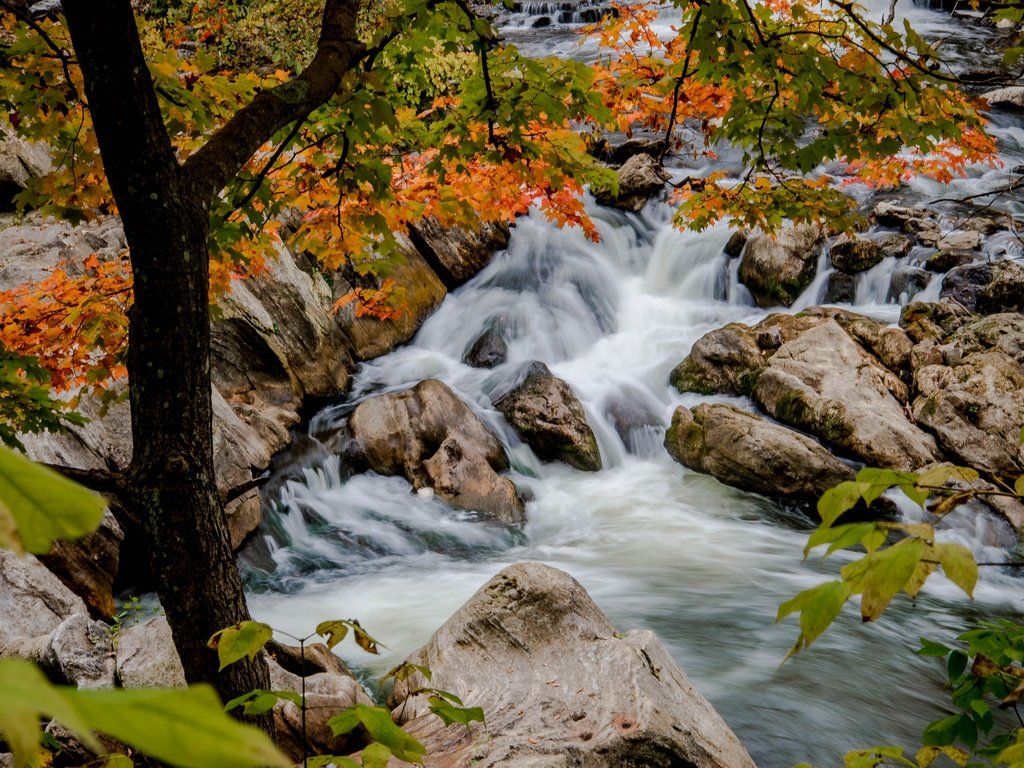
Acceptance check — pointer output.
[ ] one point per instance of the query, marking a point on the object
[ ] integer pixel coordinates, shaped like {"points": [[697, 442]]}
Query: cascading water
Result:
{"points": [[656, 545]]}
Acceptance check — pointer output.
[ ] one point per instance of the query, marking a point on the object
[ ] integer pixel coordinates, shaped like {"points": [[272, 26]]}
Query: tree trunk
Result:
{"points": [[170, 482]]}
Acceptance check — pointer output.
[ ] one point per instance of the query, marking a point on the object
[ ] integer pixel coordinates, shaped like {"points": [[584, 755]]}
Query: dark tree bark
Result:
{"points": [[164, 206]]}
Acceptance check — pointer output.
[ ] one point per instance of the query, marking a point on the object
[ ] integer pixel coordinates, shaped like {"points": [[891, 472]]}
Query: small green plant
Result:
{"points": [[130, 610]]}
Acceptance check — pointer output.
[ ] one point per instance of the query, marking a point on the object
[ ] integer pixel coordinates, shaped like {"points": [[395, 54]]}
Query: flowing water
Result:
{"points": [[656, 545]]}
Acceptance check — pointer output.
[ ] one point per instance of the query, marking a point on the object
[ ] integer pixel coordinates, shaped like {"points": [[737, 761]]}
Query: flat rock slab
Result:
{"points": [[559, 686]]}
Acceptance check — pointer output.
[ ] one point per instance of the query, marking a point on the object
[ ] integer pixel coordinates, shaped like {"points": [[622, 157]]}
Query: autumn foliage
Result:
{"points": [[444, 121]]}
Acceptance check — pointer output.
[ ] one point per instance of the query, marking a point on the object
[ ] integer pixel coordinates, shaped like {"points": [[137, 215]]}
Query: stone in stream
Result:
{"points": [[987, 288], [488, 350], [550, 419], [777, 270], [640, 178], [431, 438], [855, 254], [559, 686], [746, 451]]}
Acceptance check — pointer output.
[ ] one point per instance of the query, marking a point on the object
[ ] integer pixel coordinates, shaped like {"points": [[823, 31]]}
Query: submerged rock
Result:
{"points": [[777, 270], [431, 438], [488, 350], [855, 254], [551, 420], [746, 451], [559, 686]]}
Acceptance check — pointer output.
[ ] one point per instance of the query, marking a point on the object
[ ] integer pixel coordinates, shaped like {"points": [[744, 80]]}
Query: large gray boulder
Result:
{"points": [[746, 451], [80, 652], [20, 162], [559, 686], [825, 383], [550, 418], [776, 270], [975, 407], [855, 254], [146, 657], [1010, 97], [431, 438], [33, 603], [720, 361]]}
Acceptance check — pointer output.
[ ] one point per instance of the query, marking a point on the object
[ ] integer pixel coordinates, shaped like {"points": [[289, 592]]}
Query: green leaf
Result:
{"points": [[246, 638], [956, 664], [184, 727], [450, 713], [376, 755], [840, 537], [941, 732], [932, 648], [381, 728], [818, 608], [260, 702], [1018, 486], [959, 565], [886, 573], [26, 697], [320, 761], [119, 761], [837, 500], [405, 670], [45, 506], [333, 632]]}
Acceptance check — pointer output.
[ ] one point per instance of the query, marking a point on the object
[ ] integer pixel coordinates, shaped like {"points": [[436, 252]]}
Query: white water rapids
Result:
{"points": [[656, 545]]}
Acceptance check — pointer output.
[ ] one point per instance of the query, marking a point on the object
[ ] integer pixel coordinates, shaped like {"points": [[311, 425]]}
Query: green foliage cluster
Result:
{"points": [[26, 402]]}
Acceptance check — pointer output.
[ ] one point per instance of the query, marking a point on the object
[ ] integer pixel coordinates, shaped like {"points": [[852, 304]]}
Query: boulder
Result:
{"points": [[488, 350], [894, 245], [327, 693], [146, 657], [945, 260], [33, 603], [424, 292], [633, 414], [431, 438], [960, 240], [1003, 331], [746, 451], [1011, 97], [890, 214], [825, 383], [20, 162], [908, 282], [736, 243], [550, 419], [312, 659], [841, 288], [924, 320], [855, 254], [724, 360], [975, 408], [559, 686], [88, 565], [80, 652], [640, 178], [454, 253], [777, 270], [987, 288]]}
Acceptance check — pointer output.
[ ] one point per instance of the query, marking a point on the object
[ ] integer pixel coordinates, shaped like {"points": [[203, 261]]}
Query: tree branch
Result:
{"points": [[228, 150]]}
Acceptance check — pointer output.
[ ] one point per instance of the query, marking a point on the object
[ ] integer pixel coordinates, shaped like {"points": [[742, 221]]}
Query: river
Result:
{"points": [[657, 546]]}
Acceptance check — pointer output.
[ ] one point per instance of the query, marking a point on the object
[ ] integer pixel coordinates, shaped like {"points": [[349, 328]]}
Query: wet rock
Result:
{"points": [[737, 241], [551, 420], [776, 271], [894, 245], [146, 658], [88, 565], [987, 288], [488, 350], [632, 413], [1011, 97], [825, 383], [33, 603], [560, 686], [890, 214], [746, 451], [79, 652], [327, 693], [721, 361], [960, 240], [932, 320], [429, 436], [975, 407], [455, 254], [841, 288], [855, 254], [943, 261], [640, 178], [1003, 331], [908, 281]]}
